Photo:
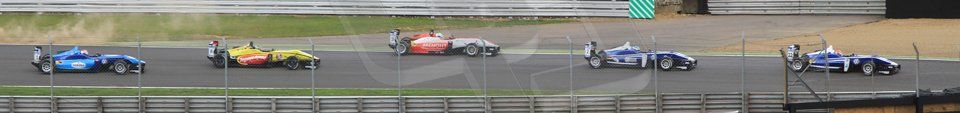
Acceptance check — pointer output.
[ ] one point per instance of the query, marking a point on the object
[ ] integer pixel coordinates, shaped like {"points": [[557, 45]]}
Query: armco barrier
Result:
{"points": [[606, 8], [680, 102], [869, 7]]}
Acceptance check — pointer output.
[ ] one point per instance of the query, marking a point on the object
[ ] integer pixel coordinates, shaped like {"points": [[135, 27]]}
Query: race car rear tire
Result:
{"points": [[869, 68], [666, 64], [292, 63], [798, 65], [218, 61], [403, 48], [121, 67], [596, 62], [46, 67], [472, 50]]}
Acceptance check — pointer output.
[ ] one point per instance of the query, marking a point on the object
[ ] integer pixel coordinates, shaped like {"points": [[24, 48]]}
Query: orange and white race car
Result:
{"points": [[435, 43]]}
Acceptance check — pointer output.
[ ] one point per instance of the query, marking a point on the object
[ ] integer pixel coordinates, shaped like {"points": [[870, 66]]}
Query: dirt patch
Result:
{"points": [[934, 37]]}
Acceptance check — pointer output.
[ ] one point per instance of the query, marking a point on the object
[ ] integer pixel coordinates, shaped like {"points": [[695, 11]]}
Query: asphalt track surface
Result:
{"points": [[188, 67]]}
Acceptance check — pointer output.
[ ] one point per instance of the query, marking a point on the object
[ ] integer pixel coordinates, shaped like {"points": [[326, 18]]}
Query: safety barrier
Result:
{"points": [[332, 7], [693, 102], [796, 6]]}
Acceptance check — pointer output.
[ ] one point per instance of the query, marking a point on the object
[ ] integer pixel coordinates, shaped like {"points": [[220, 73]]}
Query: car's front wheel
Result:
{"points": [[121, 67], [666, 64], [869, 68], [472, 50], [292, 63]]}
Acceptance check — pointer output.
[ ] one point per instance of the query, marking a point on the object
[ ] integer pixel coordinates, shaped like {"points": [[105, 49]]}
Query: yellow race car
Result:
{"points": [[253, 56]]}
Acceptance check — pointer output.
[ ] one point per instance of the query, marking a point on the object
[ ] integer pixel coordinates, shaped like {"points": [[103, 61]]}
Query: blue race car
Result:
{"points": [[77, 60], [627, 55], [836, 61]]}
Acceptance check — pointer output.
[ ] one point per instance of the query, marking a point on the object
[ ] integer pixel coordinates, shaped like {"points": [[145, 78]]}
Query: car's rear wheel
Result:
{"points": [[292, 63], [596, 62], [666, 64], [798, 65], [869, 68], [121, 67], [218, 62], [402, 47], [46, 67]]}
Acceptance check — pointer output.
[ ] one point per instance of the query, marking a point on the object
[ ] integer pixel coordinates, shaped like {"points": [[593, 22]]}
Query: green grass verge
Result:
{"points": [[65, 91], [173, 27]]}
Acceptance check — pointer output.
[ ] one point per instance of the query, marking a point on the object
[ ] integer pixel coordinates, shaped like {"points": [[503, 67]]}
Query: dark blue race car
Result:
{"points": [[631, 56], [836, 61], [77, 60]]}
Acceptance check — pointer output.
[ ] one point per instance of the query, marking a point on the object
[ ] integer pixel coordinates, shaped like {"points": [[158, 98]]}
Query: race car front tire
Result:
{"points": [[292, 63], [596, 62], [121, 67], [869, 68], [472, 50], [46, 67], [666, 64]]}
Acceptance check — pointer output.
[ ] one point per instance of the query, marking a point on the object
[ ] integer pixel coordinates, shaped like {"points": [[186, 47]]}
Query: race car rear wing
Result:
{"points": [[37, 52], [212, 49], [793, 51], [589, 49], [394, 37]]}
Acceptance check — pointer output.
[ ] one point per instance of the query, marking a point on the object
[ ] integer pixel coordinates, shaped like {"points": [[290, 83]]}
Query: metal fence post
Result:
{"points": [[142, 102], [54, 105], [786, 78], [359, 104], [11, 104], [617, 103], [229, 105], [533, 104], [656, 78], [918, 104], [486, 96], [917, 50], [53, 102], [226, 81], [446, 105], [703, 102], [743, 72], [313, 78], [573, 99], [186, 105], [316, 105], [273, 105], [399, 82], [826, 58]]}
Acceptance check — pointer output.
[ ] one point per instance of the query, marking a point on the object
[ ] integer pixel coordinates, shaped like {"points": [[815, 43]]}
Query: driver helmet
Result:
{"points": [[84, 52], [439, 35]]}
